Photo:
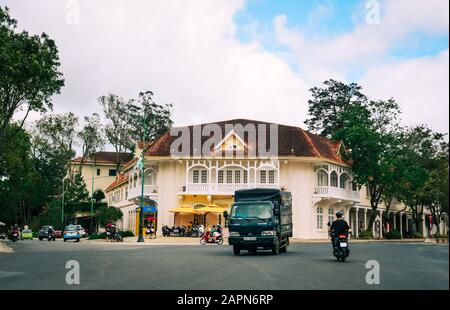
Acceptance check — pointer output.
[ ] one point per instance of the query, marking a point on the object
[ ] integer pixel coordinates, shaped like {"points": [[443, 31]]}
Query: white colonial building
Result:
{"points": [[309, 166]]}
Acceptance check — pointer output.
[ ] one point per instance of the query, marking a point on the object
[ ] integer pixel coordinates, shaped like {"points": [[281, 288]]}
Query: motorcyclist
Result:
{"points": [[110, 228], [50, 232], [338, 227]]}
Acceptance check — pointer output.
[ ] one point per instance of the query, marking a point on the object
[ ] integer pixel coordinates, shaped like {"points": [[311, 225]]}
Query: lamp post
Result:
{"points": [[62, 204], [141, 166], [92, 195]]}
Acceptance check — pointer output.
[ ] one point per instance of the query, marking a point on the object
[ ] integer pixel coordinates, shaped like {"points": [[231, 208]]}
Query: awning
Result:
{"points": [[185, 210], [212, 209]]}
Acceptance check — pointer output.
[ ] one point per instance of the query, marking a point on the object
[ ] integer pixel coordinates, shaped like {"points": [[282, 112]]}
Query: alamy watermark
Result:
{"points": [[73, 275], [373, 12], [208, 140], [373, 275]]}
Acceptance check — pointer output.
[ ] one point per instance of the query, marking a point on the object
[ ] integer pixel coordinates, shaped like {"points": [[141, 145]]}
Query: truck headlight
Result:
{"points": [[234, 234], [268, 233]]}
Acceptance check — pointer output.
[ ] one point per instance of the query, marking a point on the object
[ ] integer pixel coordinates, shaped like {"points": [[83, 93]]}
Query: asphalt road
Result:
{"points": [[41, 265]]}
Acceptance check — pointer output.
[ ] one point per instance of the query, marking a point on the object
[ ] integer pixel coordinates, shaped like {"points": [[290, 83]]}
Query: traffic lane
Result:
{"points": [[305, 266]]}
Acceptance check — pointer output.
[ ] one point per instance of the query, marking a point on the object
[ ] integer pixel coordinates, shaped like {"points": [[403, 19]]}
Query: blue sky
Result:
{"points": [[327, 19]]}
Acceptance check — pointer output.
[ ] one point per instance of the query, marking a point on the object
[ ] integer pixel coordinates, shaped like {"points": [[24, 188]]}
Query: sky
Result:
{"points": [[257, 59]]}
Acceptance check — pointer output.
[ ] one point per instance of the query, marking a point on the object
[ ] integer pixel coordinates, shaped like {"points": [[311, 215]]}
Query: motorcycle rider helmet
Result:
{"points": [[339, 214]]}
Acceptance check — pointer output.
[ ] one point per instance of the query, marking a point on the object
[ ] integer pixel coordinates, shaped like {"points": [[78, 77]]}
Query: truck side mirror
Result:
{"points": [[225, 214]]}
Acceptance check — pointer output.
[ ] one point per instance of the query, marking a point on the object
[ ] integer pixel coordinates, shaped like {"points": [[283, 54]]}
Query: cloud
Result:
{"points": [[186, 51], [419, 85]]}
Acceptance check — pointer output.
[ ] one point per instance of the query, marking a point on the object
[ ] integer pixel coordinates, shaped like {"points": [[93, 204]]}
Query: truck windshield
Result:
{"points": [[250, 210]]}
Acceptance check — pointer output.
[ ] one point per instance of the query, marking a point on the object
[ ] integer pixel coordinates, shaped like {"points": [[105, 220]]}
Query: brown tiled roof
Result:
{"points": [[292, 141], [121, 178], [107, 157]]}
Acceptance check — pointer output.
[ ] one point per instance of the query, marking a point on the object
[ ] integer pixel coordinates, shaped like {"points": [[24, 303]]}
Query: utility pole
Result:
{"points": [[141, 164]]}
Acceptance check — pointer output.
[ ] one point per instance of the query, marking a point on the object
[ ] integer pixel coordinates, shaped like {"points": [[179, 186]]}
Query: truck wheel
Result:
{"points": [[236, 250], [276, 248]]}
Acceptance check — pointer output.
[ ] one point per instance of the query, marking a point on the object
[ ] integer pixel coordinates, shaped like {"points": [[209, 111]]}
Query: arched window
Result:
{"points": [[319, 218], [150, 177], [267, 176], [345, 181], [322, 178], [334, 179], [199, 176], [330, 215]]}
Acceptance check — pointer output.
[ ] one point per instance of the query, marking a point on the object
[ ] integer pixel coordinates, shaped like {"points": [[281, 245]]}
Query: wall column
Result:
{"points": [[381, 223], [357, 223], [395, 220], [401, 224], [365, 219], [424, 227], [406, 223]]}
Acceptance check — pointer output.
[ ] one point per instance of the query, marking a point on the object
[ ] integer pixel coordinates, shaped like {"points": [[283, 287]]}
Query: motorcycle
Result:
{"points": [[341, 250], [166, 231], [117, 237], [207, 238], [14, 236], [51, 237]]}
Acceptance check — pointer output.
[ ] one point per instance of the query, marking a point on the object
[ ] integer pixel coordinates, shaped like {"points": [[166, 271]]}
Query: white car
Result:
{"points": [[81, 230]]}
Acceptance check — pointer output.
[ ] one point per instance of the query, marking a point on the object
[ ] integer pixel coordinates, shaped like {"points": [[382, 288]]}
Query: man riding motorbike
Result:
{"points": [[338, 227], [110, 230]]}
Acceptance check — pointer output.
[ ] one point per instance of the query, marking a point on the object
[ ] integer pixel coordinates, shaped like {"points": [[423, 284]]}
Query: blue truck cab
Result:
{"points": [[260, 219]]}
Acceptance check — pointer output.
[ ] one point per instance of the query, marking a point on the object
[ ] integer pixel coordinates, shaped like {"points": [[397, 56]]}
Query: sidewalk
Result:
{"points": [[4, 248]]}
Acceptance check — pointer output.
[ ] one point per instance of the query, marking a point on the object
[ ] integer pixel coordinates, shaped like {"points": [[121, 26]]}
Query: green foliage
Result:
{"points": [[97, 236], [365, 234], [156, 116], [98, 195], [126, 233], [107, 214], [417, 235], [328, 103], [77, 190], [29, 73], [50, 215], [395, 234]]}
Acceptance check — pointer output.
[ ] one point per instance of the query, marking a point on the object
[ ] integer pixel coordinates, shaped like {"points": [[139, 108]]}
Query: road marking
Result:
{"points": [[5, 274]]}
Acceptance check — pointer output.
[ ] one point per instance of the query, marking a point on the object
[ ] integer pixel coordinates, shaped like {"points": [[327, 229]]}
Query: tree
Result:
{"points": [[29, 73], [98, 195], [157, 117], [77, 190], [425, 173], [327, 103], [367, 129], [117, 128], [91, 138], [107, 214]]}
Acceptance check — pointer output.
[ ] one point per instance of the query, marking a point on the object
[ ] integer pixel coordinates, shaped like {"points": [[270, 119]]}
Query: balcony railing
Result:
{"points": [[149, 190], [336, 192], [222, 188]]}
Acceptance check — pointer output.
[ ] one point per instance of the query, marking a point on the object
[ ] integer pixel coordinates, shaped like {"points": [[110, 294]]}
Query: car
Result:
{"points": [[43, 232], [82, 231], [58, 234], [71, 233], [26, 234]]}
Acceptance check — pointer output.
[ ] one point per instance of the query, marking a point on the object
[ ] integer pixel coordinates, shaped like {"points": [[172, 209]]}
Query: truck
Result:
{"points": [[260, 218]]}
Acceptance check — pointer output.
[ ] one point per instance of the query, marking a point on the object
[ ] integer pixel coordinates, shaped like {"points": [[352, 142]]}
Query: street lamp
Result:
{"points": [[141, 166]]}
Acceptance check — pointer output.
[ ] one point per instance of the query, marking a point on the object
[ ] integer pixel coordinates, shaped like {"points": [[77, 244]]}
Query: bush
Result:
{"points": [[126, 233], [417, 235], [97, 236], [365, 234], [395, 234]]}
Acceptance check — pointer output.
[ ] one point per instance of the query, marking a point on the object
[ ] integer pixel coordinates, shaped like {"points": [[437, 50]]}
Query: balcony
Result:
{"points": [[331, 192], [221, 188], [149, 191]]}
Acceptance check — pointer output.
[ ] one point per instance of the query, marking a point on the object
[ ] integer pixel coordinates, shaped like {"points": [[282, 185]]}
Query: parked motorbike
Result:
{"points": [[166, 231], [117, 237], [207, 238], [341, 250]]}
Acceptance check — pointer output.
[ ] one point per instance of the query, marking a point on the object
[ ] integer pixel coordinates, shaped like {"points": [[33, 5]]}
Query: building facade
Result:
{"points": [[309, 166]]}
